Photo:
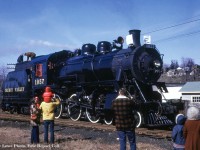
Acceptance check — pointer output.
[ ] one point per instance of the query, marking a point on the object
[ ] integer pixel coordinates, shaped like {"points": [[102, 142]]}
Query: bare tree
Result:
{"points": [[174, 64], [187, 63], [165, 67], [3, 73]]}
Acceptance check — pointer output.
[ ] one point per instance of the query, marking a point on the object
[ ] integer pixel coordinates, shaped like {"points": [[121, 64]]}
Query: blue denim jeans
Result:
{"points": [[122, 139], [48, 123], [35, 134]]}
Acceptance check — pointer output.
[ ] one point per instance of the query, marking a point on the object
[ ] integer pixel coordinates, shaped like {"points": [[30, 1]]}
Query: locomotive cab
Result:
{"points": [[46, 68]]}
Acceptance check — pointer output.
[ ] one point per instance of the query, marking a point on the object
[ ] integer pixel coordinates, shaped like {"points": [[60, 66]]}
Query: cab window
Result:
{"points": [[39, 70]]}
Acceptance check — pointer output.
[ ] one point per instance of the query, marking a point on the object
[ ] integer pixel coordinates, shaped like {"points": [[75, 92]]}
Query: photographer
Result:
{"points": [[47, 107], [123, 108]]}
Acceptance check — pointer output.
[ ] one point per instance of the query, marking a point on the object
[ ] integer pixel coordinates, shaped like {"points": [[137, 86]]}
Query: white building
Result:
{"points": [[191, 94]]}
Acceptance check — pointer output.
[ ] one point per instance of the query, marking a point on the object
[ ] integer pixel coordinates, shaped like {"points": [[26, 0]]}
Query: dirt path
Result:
{"points": [[16, 136]]}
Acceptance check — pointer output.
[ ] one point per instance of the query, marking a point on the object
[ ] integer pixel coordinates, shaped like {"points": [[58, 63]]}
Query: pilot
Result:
{"points": [[30, 55]]}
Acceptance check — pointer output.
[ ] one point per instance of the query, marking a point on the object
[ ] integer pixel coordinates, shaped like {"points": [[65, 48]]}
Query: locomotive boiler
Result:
{"points": [[87, 81]]}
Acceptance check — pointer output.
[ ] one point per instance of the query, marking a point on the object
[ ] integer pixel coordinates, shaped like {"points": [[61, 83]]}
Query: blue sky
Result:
{"points": [[46, 26]]}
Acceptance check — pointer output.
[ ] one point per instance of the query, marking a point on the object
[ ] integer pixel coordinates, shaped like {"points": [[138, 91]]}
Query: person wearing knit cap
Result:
{"points": [[47, 95], [47, 107], [191, 129]]}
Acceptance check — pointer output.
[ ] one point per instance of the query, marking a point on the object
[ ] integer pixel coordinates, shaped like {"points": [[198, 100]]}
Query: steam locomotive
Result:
{"points": [[87, 80]]}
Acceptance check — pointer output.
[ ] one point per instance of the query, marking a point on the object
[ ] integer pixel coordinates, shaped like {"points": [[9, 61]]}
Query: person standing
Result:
{"points": [[123, 108], [191, 129], [47, 107], [30, 55], [35, 120], [177, 133]]}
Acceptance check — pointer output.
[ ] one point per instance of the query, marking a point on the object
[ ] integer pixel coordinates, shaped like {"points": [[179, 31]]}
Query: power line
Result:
{"points": [[181, 35], [172, 26]]}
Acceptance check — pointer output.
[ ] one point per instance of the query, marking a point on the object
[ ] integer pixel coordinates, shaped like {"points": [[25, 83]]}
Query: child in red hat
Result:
{"points": [[48, 95], [47, 107]]}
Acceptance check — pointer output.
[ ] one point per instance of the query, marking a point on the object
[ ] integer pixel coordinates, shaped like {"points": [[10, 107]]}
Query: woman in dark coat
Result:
{"points": [[191, 130]]}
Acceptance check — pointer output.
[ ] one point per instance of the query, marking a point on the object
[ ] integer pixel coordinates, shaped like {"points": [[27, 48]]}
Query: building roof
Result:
{"points": [[191, 87]]}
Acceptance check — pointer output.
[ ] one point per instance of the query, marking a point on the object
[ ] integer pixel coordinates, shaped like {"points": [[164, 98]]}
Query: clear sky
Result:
{"points": [[46, 26]]}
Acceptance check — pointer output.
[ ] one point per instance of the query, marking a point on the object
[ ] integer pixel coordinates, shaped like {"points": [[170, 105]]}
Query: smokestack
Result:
{"points": [[136, 37]]}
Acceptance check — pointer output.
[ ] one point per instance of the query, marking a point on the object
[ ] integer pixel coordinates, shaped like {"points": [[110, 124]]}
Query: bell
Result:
{"points": [[120, 40]]}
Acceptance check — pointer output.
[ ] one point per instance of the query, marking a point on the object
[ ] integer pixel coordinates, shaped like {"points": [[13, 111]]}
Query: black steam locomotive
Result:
{"points": [[87, 81]]}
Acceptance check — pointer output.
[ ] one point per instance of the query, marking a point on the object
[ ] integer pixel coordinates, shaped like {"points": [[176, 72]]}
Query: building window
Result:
{"points": [[196, 99]]}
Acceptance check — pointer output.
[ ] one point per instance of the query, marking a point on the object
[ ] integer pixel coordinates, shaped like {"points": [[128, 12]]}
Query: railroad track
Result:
{"points": [[66, 122]]}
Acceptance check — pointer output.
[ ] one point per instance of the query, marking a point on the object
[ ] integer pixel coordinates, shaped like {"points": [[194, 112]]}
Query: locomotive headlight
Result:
{"points": [[157, 63]]}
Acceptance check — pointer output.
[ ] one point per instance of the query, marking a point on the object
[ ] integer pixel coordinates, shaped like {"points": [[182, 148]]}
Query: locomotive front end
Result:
{"points": [[147, 62], [146, 67]]}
